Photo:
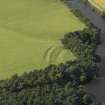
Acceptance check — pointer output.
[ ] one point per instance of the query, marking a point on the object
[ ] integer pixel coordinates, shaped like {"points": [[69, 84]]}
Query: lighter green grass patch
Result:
{"points": [[28, 29]]}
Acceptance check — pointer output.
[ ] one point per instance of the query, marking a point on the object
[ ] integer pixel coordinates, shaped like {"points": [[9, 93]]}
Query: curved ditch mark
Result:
{"points": [[97, 88], [51, 56], [55, 54], [63, 53], [48, 54]]}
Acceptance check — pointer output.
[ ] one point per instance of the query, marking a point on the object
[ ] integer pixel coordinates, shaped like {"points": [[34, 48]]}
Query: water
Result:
{"points": [[97, 87]]}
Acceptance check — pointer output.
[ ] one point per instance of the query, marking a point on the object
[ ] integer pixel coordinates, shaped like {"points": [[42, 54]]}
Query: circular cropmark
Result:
{"points": [[57, 54]]}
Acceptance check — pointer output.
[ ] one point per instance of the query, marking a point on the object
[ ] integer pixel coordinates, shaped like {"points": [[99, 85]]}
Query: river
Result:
{"points": [[96, 87]]}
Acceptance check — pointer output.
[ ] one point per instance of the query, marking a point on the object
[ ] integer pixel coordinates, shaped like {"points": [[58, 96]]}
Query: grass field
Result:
{"points": [[99, 4], [30, 33]]}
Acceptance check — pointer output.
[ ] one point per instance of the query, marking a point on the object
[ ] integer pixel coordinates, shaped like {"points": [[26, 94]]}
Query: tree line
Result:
{"points": [[54, 85]]}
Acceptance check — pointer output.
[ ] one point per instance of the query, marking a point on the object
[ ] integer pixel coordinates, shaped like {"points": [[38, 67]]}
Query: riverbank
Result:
{"points": [[97, 87]]}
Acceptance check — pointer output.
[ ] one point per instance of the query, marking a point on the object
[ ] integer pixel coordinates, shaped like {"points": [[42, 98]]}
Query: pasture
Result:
{"points": [[30, 33]]}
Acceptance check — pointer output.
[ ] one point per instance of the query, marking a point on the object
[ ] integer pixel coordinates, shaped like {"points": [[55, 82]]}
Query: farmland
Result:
{"points": [[99, 4], [30, 33]]}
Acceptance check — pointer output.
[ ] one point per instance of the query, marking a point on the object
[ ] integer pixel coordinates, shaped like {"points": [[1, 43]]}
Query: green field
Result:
{"points": [[30, 33]]}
